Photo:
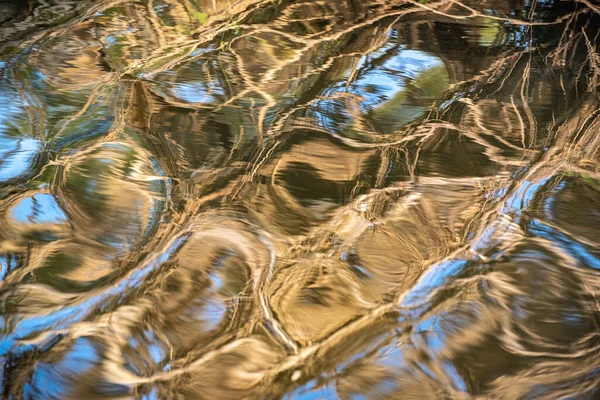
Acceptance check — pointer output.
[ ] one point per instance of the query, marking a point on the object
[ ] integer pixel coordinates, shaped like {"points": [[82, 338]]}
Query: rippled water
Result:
{"points": [[340, 199]]}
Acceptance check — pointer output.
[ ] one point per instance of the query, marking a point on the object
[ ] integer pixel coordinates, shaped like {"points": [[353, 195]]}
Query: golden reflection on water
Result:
{"points": [[299, 199]]}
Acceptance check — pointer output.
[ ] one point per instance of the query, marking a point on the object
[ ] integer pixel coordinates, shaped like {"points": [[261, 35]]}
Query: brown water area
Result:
{"points": [[313, 199]]}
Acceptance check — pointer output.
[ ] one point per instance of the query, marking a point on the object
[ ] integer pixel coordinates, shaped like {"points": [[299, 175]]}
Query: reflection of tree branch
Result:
{"points": [[574, 142], [474, 13], [589, 5]]}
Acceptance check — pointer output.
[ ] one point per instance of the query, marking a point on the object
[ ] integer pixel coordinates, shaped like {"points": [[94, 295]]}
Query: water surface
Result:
{"points": [[227, 199]]}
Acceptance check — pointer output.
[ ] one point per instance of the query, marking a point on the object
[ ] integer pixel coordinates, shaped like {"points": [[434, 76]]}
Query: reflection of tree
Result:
{"points": [[271, 109]]}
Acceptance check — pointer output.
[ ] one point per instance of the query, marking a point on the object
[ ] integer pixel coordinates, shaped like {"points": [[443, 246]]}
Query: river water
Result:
{"points": [[325, 199]]}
